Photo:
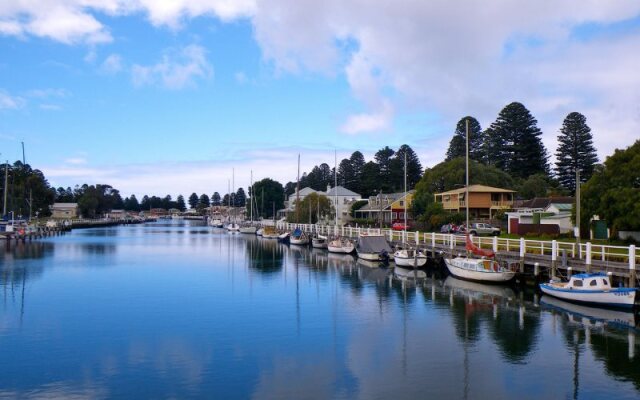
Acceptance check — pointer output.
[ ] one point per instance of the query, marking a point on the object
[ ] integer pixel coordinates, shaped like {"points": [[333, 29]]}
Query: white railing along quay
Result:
{"points": [[588, 252]]}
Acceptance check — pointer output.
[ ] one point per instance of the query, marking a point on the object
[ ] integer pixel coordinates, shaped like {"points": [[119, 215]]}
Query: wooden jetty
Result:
{"points": [[535, 257]]}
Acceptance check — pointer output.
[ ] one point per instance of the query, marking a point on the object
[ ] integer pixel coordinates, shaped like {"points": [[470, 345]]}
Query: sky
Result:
{"points": [[172, 97]]}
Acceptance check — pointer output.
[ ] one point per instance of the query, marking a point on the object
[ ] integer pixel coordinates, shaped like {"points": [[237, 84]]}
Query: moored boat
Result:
{"points": [[412, 258], [479, 269], [299, 237], [591, 288], [341, 246], [319, 242], [373, 248], [233, 227]]}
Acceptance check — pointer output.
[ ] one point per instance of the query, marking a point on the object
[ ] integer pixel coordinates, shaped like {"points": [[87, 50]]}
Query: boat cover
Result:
{"points": [[373, 244]]}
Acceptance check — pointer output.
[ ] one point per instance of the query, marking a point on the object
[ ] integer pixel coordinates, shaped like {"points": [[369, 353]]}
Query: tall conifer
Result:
{"points": [[575, 151]]}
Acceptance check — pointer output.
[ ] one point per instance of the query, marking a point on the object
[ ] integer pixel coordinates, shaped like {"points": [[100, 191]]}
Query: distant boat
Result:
{"points": [[319, 242], [412, 258], [299, 237], [270, 232], [373, 248], [247, 228], [591, 288], [233, 227], [284, 237], [260, 231]]}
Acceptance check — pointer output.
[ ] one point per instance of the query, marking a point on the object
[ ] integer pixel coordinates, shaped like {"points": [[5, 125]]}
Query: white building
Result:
{"points": [[342, 199]]}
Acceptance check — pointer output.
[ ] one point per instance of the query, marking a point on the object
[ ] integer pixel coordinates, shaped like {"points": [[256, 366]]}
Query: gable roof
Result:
{"points": [[60, 206], [478, 189], [544, 202], [341, 191]]}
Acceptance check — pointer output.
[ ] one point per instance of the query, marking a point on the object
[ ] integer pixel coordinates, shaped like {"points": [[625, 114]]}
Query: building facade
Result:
{"points": [[484, 201]]}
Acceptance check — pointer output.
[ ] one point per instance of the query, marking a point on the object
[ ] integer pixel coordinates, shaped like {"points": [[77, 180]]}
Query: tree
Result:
{"points": [[384, 159], [535, 186], [312, 207], [215, 199], [145, 203], [414, 168], [28, 190], [357, 167], [131, 203], [180, 205], [203, 202], [240, 198], [370, 181], [346, 176], [613, 192], [269, 195], [575, 151], [458, 146], [193, 200], [512, 143], [167, 202]]}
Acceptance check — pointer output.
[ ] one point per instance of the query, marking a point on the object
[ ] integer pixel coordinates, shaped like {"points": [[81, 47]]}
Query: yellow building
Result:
{"points": [[484, 201]]}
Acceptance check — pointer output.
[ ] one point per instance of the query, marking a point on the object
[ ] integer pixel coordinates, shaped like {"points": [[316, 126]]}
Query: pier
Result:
{"points": [[535, 258]]}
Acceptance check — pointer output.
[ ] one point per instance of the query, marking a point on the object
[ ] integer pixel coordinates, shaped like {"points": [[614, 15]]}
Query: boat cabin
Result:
{"points": [[592, 281]]}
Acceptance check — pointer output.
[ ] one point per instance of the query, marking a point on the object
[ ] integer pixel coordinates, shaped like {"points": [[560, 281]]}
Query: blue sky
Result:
{"points": [[158, 98]]}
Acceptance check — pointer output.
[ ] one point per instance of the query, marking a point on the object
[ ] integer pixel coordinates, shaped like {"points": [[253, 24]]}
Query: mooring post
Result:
{"points": [[433, 240], [632, 266], [588, 257], [536, 269], [554, 256], [522, 251], [569, 272]]}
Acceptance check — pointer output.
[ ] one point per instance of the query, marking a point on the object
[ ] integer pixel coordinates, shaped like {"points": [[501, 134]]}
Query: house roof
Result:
{"points": [[64, 205], [303, 192], [341, 191], [563, 206], [544, 202], [392, 197], [478, 189]]}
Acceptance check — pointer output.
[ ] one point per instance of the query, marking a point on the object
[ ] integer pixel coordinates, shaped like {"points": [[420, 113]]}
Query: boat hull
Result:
{"points": [[479, 276], [248, 229], [370, 256], [618, 297], [319, 244], [403, 260]]}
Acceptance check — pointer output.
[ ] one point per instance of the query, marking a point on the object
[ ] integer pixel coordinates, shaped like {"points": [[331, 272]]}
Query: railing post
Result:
{"points": [[451, 242], [417, 238], [433, 240], [632, 266], [554, 256], [495, 244], [522, 248], [588, 257]]}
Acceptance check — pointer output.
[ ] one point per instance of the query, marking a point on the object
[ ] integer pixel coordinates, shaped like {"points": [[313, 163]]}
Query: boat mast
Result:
{"points": [[6, 180], [251, 199], [298, 193], [405, 195], [466, 196], [335, 183]]}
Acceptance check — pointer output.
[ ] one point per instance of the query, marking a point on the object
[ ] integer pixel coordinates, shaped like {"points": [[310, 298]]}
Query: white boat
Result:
{"points": [[373, 248], [319, 242], [341, 246], [410, 258], [250, 229], [479, 269], [591, 288], [299, 237], [216, 223], [260, 231], [233, 227], [284, 237], [270, 232]]}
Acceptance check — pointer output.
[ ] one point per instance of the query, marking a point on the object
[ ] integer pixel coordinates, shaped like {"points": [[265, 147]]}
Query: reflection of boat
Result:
{"points": [[340, 260], [319, 242], [341, 245], [404, 274], [373, 248], [299, 237], [478, 269], [479, 288], [592, 315], [593, 288], [410, 258]]}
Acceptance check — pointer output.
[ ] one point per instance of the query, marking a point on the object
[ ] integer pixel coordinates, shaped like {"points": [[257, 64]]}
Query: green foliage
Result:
{"points": [[193, 200], [215, 199], [613, 192], [240, 198], [513, 143], [131, 203], [414, 169], [203, 202], [180, 205], [25, 183], [535, 186], [356, 206], [269, 193], [384, 159], [575, 151], [96, 200], [457, 146], [311, 208]]}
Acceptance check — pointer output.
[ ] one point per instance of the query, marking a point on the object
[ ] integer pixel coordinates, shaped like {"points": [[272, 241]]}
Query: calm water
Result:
{"points": [[184, 311]]}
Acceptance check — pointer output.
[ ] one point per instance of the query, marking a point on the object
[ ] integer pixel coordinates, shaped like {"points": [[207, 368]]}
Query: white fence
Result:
{"points": [[587, 251]]}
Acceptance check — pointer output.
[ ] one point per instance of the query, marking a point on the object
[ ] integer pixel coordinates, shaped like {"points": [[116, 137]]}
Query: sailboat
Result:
{"points": [[249, 227], [233, 225], [486, 268], [405, 257], [339, 244], [298, 236]]}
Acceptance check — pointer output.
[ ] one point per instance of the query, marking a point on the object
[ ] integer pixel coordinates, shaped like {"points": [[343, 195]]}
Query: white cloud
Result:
{"points": [[112, 64], [50, 107], [48, 93], [178, 69], [9, 102], [240, 77], [76, 161], [380, 120]]}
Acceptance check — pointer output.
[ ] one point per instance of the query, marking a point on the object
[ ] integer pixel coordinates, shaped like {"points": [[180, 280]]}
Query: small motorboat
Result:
{"points": [[260, 231], [270, 232], [591, 288], [248, 228], [341, 246], [319, 242], [233, 227], [373, 248], [411, 258], [299, 237]]}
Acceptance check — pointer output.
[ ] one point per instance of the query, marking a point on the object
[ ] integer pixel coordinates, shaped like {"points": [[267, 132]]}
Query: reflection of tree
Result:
{"points": [[265, 256], [466, 319], [614, 353], [515, 338]]}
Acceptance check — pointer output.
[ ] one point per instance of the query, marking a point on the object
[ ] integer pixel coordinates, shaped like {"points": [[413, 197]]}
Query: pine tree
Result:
{"points": [[384, 159], [458, 147], [215, 199], [513, 143], [203, 201], [575, 151], [240, 198], [193, 200], [357, 167], [180, 205]]}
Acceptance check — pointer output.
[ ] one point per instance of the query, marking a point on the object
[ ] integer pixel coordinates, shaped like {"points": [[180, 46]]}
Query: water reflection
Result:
{"points": [[176, 310]]}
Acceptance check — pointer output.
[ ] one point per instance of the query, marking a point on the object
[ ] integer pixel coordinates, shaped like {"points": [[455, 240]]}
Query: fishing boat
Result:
{"points": [[373, 248], [299, 237], [319, 242], [341, 245], [413, 258], [591, 288], [481, 267]]}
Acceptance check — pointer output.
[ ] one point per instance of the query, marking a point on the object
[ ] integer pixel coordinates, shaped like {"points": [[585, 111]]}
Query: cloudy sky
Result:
{"points": [[168, 96]]}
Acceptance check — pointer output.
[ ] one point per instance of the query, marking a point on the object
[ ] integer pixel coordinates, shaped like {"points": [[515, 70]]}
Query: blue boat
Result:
{"points": [[591, 288]]}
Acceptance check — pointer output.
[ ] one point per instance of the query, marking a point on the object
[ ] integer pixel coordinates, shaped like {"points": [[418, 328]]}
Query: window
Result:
{"points": [[593, 283], [577, 283], [605, 282], [401, 203]]}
